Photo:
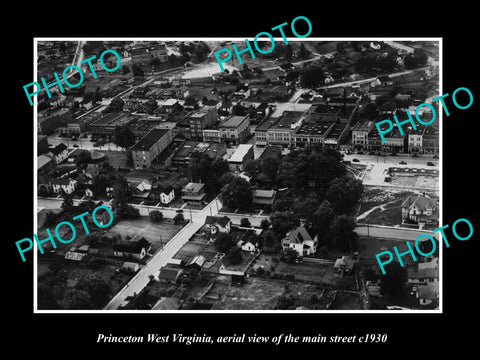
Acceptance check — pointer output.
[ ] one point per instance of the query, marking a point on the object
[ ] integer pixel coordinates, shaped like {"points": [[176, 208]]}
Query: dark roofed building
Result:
{"points": [[170, 274], [218, 224], [150, 146], [132, 249]]}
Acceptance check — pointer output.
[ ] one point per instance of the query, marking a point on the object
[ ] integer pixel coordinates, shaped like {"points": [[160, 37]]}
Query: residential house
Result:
{"points": [[420, 209], [136, 249], [345, 264], [301, 241], [170, 274], [59, 152], [218, 224], [45, 164], [164, 194], [65, 185], [264, 197], [193, 193], [424, 278], [167, 303]]}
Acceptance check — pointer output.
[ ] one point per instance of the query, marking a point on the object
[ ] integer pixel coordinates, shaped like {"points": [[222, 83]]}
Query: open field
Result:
{"points": [[156, 233]]}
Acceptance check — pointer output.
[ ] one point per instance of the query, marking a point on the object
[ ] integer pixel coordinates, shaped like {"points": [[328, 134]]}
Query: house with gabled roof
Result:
{"points": [[218, 224], [68, 186], [164, 194], [420, 209], [136, 249], [301, 241], [59, 152]]}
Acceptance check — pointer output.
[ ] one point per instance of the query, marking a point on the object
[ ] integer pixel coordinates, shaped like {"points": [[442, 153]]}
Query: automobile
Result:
{"points": [[403, 162], [414, 155], [429, 163], [75, 145], [355, 160]]}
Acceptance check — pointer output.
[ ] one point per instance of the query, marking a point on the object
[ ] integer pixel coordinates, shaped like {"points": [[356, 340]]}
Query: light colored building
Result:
{"points": [[238, 159], [360, 134], [235, 129], [201, 119], [300, 240]]}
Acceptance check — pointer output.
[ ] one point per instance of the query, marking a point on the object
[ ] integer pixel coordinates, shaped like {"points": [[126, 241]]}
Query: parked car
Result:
{"points": [[403, 162], [430, 163], [355, 160]]}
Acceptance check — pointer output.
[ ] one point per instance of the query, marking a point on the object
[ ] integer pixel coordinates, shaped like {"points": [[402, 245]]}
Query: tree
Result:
{"points": [[123, 136], [178, 218], [283, 221], [234, 255], [288, 52], [239, 110], [290, 255], [121, 195], [244, 222], [344, 193], [46, 300], [342, 235], [97, 287], [67, 204], [303, 52], [223, 242], [156, 216], [393, 281], [269, 167], [155, 62], [125, 69], [265, 224], [137, 71], [269, 239], [83, 158], [251, 166], [323, 218], [237, 194], [341, 46], [311, 77], [370, 111], [74, 299], [203, 169], [51, 219]]}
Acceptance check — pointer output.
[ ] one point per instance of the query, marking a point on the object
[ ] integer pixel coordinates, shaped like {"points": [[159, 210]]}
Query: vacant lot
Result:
{"points": [[346, 301], [370, 246], [156, 233]]}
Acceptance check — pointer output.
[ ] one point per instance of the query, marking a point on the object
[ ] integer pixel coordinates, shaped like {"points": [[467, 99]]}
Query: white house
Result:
{"points": [[300, 240], [164, 194], [59, 152], [131, 249], [246, 245], [67, 185], [218, 224], [420, 209]]}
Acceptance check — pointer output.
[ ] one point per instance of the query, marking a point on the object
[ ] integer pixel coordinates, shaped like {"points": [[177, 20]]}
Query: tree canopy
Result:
{"points": [[237, 194]]}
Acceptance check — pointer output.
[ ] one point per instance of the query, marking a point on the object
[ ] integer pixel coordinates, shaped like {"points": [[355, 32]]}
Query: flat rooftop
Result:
{"points": [[288, 118], [112, 119], [233, 122], [364, 125], [146, 142], [314, 128], [336, 131], [240, 153]]}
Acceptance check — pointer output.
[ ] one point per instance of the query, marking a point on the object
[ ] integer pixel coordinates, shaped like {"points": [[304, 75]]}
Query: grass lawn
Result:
{"points": [[346, 301], [155, 233], [370, 246]]}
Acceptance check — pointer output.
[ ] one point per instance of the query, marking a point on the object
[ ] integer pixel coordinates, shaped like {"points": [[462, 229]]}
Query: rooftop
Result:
{"points": [[366, 125], [146, 142], [240, 153], [314, 128], [234, 121]]}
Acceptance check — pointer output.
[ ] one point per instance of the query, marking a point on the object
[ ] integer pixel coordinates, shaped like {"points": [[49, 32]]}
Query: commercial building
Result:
{"points": [[48, 122], [144, 54], [235, 129], [200, 119], [107, 123], [238, 159], [150, 146]]}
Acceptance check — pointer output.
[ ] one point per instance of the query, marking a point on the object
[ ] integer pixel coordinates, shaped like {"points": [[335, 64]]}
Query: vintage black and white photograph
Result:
{"points": [[224, 175]]}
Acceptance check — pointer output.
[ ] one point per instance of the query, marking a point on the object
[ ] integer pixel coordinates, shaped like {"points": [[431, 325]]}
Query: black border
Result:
{"points": [[70, 331]]}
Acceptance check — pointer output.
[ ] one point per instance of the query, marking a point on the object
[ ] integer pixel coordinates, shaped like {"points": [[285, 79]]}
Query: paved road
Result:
{"points": [[362, 81], [392, 233], [160, 259]]}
